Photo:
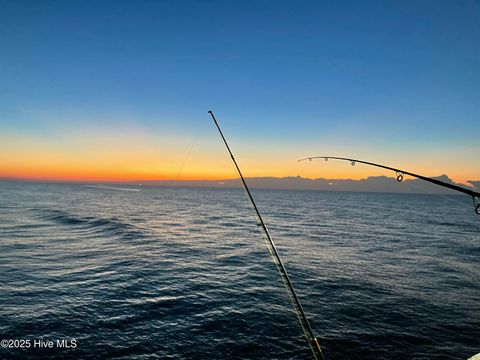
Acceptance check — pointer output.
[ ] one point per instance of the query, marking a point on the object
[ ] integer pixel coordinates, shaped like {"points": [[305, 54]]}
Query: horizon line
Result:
{"points": [[151, 182]]}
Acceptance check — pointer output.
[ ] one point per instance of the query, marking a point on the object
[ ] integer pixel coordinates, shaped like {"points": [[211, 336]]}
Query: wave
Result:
{"points": [[112, 188], [112, 226]]}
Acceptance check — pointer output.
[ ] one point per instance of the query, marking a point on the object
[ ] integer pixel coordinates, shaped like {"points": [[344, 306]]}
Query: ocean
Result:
{"points": [[123, 272]]}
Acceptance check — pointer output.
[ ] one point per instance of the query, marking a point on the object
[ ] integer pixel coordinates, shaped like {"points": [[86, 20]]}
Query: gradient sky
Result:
{"points": [[99, 90]]}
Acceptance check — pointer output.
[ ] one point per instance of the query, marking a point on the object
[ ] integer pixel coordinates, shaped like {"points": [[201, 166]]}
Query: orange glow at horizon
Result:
{"points": [[133, 155], [48, 169]]}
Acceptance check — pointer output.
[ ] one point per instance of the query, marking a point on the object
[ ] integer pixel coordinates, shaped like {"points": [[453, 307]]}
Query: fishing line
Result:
{"points": [[185, 159], [307, 329]]}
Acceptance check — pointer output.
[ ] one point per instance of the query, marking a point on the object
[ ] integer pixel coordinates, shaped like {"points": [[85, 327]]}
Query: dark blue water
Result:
{"points": [[184, 273]]}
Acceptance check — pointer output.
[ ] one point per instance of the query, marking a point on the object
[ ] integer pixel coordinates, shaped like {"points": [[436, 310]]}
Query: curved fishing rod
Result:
{"points": [[307, 329], [400, 174]]}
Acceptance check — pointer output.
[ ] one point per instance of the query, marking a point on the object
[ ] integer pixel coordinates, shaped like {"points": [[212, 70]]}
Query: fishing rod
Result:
{"points": [[400, 174], [307, 329]]}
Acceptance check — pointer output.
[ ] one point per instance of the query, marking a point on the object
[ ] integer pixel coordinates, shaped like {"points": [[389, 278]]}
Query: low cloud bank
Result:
{"points": [[370, 184]]}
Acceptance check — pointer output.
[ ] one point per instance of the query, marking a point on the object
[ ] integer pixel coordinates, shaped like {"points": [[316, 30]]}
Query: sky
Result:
{"points": [[119, 90]]}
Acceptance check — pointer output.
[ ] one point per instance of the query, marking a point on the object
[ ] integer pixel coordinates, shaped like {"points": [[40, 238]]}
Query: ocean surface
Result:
{"points": [[184, 273]]}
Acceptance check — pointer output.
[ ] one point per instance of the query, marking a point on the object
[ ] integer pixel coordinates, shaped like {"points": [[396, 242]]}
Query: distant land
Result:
{"points": [[370, 184]]}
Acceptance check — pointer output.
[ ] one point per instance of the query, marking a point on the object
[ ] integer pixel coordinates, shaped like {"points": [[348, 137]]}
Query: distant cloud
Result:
{"points": [[370, 184], [475, 184]]}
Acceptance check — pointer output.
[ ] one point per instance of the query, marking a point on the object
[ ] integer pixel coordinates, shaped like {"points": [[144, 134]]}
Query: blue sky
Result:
{"points": [[394, 79]]}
